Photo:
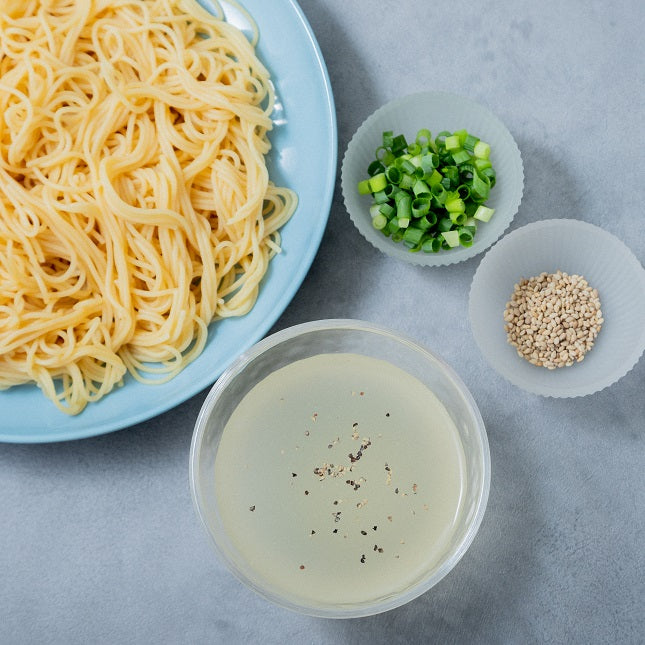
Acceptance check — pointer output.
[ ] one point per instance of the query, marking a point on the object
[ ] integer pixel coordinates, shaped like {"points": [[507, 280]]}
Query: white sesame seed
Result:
{"points": [[553, 319]]}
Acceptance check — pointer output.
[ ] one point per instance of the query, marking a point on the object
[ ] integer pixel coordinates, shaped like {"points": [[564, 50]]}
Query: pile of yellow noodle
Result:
{"points": [[135, 204]]}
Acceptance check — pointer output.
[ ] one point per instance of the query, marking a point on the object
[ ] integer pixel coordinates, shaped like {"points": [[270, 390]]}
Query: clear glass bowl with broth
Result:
{"points": [[340, 469]]}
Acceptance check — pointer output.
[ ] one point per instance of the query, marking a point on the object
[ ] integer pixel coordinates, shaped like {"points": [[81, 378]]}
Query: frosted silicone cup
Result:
{"points": [[572, 246], [327, 336], [435, 111]]}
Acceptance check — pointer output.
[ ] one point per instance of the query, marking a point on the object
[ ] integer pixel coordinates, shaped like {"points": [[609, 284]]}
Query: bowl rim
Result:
{"points": [[502, 246], [395, 251], [282, 336]]}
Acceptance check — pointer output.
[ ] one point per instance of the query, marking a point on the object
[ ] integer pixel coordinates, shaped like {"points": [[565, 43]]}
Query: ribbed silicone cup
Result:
{"points": [[576, 247], [435, 111]]}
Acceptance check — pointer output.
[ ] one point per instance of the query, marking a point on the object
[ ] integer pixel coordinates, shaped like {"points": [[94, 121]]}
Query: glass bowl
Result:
{"points": [[327, 517], [435, 111], [575, 247]]}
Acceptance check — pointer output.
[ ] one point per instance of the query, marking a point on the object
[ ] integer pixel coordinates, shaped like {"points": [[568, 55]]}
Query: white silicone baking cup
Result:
{"points": [[576, 247], [435, 111]]}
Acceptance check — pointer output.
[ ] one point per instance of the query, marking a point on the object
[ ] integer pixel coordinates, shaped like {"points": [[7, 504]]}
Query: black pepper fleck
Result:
{"points": [[251, 508], [363, 532]]}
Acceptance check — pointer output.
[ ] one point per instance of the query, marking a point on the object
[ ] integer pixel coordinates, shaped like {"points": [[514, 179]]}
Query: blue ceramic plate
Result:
{"points": [[305, 120]]}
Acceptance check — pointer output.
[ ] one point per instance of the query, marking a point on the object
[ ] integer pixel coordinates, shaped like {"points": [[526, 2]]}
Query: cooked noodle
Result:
{"points": [[135, 203]]}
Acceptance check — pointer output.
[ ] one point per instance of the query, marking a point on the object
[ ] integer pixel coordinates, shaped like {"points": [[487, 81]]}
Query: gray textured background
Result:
{"points": [[98, 539]]}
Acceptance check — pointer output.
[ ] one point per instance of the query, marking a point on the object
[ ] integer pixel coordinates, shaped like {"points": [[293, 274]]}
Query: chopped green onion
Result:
{"points": [[466, 172], [444, 224], [481, 150], [458, 218], [470, 142], [420, 206], [418, 172], [378, 182], [391, 190], [407, 181], [462, 134], [460, 156], [399, 144], [481, 187], [440, 139], [424, 137], [379, 222], [451, 238], [439, 193], [386, 209], [434, 179], [392, 226], [431, 245], [430, 195], [464, 191], [404, 207], [454, 203], [420, 187], [482, 164], [381, 197], [451, 173], [483, 213], [412, 236], [364, 187], [490, 174], [471, 207], [431, 218], [407, 167], [429, 162], [375, 167], [453, 142], [424, 223], [393, 174], [465, 237], [471, 225]]}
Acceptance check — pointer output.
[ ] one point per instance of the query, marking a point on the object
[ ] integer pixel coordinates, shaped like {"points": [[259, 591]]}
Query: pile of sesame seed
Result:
{"points": [[553, 319]]}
